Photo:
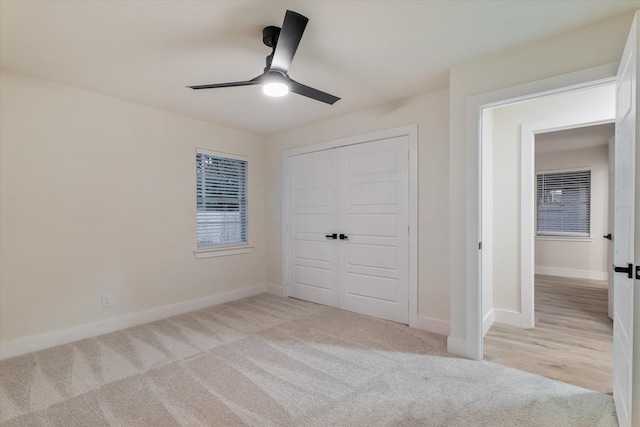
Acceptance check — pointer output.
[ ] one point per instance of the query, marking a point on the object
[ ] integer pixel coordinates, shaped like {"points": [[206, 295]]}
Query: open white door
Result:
{"points": [[623, 235]]}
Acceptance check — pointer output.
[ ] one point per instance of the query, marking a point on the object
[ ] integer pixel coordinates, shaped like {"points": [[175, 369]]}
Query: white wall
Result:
{"points": [[430, 111], [591, 46], [140, 259], [507, 123], [98, 196], [581, 258]]}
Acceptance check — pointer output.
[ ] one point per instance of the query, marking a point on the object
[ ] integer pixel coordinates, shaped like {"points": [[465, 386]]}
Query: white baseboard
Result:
{"points": [[88, 330], [274, 289], [487, 321], [574, 273], [507, 317], [456, 346], [430, 324]]}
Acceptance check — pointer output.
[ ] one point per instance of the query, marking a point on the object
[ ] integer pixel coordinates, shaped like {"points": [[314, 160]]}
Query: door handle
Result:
{"points": [[628, 270], [344, 237], [608, 236], [331, 236]]}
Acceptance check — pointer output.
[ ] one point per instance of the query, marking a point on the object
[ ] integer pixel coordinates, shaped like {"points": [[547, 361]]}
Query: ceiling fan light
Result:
{"points": [[275, 89]]}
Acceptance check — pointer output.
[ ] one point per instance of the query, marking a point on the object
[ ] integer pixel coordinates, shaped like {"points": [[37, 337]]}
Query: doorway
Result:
{"points": [[508, 183], [570, 336]]}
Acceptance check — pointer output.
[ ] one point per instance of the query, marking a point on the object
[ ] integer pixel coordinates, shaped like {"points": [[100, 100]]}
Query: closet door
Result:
{"points": [[374, 216], [312, 215]]}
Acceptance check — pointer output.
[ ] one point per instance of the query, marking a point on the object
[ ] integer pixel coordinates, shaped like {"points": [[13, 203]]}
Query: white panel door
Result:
{"points": [[312, 214], [623, 235], [374, 207], [361, 193]]}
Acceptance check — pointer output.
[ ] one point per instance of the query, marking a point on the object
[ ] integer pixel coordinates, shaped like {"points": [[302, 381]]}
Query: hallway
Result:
{"points": [[572, 340]]}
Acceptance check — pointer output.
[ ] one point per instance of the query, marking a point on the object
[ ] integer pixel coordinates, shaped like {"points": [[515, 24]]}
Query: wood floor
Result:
{"points": [[573, 338]]}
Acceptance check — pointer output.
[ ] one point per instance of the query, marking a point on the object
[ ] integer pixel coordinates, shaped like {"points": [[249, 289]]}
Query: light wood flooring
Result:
{"points": [[572, 340]]}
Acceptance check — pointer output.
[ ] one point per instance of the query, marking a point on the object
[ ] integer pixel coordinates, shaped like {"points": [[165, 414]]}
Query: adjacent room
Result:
{"points": [[550, 318], [269, 212]]}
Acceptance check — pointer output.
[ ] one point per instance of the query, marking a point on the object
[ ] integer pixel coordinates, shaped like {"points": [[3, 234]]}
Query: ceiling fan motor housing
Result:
{"points": [[270, 36]]}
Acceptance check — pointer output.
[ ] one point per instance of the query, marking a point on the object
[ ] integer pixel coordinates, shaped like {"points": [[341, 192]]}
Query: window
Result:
{"points": [[564, 203], [221, 189]]}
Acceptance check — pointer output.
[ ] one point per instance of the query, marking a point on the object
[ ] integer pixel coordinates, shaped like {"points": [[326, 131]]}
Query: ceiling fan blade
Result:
{"points": [[255, 81], [310, 92], [288, 40]]}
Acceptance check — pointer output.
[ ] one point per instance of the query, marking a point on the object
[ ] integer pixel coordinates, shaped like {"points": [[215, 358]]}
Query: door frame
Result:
{"points": [[528, 131], [411, 131], [527, 203], [474, 108], [611, 213]]}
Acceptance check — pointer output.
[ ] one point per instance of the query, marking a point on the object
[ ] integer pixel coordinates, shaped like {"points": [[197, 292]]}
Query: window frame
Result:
{"points": [[233, 248], [569, 235]]}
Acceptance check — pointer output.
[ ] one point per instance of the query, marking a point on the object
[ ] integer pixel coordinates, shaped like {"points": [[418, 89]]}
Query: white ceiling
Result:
{"points": [[573, 139], [367, 52]]}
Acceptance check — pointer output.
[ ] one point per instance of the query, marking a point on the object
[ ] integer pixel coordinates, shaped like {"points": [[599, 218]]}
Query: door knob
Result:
{"points": [[331, 236], [608, 236], [627, 270], [344, 237]]}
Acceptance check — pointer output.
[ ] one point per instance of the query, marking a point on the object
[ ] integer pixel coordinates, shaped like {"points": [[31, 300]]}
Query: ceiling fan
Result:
{"points": [[275, 79]]}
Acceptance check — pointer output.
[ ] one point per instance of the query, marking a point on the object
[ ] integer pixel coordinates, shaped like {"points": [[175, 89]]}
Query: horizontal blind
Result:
{"points": [[221, 188], [564, 203]]}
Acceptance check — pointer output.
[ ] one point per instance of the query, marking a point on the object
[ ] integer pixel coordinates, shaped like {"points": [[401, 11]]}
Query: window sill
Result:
{"points": [[222, 251], [565, 239]]}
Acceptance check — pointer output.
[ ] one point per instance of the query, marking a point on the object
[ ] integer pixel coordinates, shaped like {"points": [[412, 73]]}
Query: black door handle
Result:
{"points": [[608, 236], [331, 236], [344, 237], [627, 270]]}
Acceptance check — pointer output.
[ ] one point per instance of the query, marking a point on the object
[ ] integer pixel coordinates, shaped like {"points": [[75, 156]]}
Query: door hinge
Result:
{"points": [[480, 246], [409, 230]]}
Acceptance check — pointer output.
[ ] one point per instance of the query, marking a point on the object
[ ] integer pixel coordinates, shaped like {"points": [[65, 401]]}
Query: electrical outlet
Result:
{"points": [[106, 300]]}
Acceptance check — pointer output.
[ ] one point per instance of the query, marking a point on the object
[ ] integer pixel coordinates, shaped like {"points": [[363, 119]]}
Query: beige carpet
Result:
{"points": [[271, 361]]}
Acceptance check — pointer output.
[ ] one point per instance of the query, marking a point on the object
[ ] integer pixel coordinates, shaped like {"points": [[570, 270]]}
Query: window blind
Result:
{"points": [[221, 188], [564, 203]]}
